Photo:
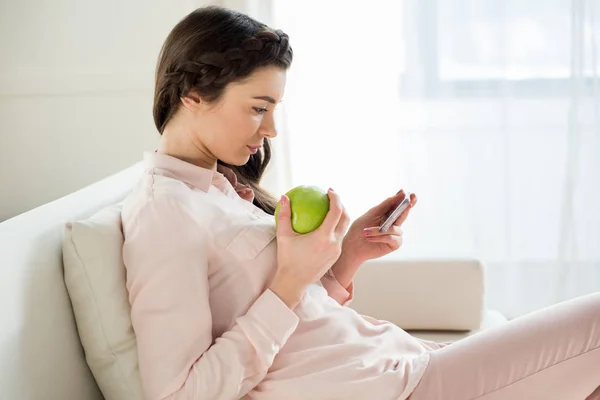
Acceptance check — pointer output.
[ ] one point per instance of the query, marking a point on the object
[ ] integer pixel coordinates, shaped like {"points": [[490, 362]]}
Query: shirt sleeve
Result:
{"points": [[165, 253], [335, 290]]}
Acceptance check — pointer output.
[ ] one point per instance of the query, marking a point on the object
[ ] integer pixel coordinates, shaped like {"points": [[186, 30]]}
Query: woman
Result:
{"points": [[223, 311]]}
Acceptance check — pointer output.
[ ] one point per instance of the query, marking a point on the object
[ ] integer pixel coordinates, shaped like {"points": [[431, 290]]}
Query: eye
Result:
{"points": [[260, 110]]}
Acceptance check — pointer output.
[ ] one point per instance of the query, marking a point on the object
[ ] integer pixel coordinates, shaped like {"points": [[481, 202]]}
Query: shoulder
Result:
{"points": [[161, 201]]}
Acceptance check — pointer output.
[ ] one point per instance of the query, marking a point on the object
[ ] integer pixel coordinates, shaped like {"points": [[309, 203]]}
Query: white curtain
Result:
{"points": [[487, 109]]}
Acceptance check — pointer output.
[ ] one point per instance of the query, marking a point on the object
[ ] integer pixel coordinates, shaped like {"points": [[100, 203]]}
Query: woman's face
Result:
{"points": [[234, 127]]}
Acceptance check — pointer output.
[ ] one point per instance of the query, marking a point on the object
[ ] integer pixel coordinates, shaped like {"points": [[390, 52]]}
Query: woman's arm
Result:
{"points": [[340, 290], [166, 257]]}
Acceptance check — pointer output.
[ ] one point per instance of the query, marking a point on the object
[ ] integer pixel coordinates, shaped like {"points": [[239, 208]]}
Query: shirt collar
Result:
{"points": [[191, 174], [195, 176]]}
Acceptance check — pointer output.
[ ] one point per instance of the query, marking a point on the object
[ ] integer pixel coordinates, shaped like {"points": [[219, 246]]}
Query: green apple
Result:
{"points": [[309, 205]]}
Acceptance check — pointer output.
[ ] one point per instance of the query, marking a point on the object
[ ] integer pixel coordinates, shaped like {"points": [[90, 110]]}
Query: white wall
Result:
{"points": [[76, 83]]}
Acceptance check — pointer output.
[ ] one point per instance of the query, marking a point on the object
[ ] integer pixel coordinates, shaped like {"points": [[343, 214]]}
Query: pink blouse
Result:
{"points": [[199, 258]]}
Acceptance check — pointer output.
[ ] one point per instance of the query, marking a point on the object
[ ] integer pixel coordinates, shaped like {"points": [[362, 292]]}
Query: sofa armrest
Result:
{"points": [[422, 294]]}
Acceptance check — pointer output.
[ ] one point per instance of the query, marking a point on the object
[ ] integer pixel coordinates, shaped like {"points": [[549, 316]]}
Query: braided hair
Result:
{"points": [[207, 50]]}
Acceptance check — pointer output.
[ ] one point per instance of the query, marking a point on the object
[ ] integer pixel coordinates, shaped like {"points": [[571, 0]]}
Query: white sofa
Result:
{"points": [[41, 356]]}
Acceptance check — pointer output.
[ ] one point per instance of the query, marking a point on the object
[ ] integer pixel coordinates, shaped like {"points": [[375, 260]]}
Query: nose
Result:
{"points": [[267, 127]]}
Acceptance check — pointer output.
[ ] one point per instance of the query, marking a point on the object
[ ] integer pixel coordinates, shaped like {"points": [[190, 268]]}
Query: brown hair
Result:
{"points": [[207, 50]]}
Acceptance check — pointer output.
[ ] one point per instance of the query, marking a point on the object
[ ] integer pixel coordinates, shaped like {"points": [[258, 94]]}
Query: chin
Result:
{"points": [[237, 161]]}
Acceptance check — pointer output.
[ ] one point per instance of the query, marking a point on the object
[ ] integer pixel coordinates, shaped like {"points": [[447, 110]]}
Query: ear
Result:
{"points": [[191, 101]]}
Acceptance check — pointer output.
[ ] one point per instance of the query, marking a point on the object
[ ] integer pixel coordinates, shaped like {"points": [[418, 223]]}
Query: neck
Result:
{"points": [[178, 142]]}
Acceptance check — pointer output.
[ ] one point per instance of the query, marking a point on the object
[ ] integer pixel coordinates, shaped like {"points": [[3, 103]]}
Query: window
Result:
{"points": [[474, 47]]}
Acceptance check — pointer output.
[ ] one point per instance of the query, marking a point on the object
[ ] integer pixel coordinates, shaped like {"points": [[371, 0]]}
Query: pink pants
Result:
{"points": [[551, 354]]}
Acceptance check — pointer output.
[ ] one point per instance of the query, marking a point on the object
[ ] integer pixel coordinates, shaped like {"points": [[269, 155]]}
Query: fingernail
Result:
{"points": [[367, 231], [399, 191], [283, 199], [331, 190]]}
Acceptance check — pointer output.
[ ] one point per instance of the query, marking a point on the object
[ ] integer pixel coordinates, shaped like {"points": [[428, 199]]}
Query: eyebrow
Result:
{"points": [[265, 98]]}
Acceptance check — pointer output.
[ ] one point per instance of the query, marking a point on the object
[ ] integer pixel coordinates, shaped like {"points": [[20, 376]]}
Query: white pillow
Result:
{"points": [[95, 280]]}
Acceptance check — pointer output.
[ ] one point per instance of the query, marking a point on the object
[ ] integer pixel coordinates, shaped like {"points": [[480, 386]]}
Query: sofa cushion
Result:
{"points": [[422, 294], [95, 280]]}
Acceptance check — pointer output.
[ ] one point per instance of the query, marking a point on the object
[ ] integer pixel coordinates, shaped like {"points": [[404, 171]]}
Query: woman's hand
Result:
{"points": [[304, 259], [364, 241]]}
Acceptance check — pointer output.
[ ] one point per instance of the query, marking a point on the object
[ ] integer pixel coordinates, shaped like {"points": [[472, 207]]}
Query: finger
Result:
{"points": [[334, 214], [284, 219], [397, 198], [374, 231], [389, 204], [394, 241], [343, 224], [413, 199]]}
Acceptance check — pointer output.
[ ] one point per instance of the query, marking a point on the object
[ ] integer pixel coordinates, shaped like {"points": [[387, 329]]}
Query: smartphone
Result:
{"points": [[395, 214]]}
